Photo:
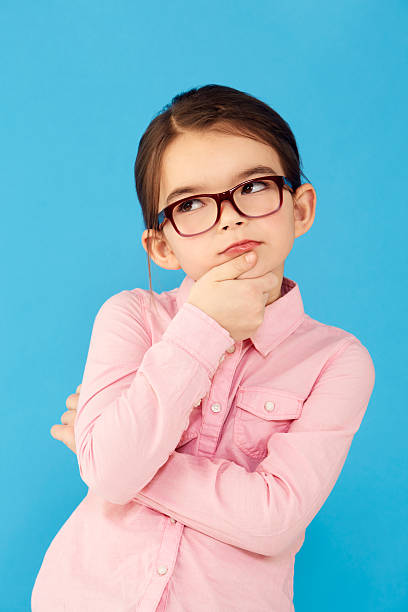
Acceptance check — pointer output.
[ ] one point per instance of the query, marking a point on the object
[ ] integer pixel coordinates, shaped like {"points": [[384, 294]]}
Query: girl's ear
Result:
{"points": [[161, 252], [304, 208]]}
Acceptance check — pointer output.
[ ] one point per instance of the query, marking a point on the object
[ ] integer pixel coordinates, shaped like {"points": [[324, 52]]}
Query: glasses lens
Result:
{"points": [[195, 215], [255, 198]]}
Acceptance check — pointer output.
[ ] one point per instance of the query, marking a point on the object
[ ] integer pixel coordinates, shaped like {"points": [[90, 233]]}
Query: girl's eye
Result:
{"points": [[252, 183], [185, 206]]}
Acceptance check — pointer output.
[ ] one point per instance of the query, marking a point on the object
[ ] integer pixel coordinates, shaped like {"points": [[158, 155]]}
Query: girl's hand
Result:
{"points": [[65, 432], [236, 301]]}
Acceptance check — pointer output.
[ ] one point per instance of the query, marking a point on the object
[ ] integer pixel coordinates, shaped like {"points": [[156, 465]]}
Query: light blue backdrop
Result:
{"points": [[80, 82]]}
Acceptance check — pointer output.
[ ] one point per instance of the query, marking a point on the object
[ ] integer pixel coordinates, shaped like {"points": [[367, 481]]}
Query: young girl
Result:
{"points": [[213, 420]]}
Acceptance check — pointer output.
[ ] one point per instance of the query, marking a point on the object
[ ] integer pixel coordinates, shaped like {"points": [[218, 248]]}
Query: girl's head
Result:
{"points": [[204, 139]]}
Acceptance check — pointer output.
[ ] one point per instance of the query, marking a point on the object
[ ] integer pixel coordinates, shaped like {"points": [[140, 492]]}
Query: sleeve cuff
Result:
{"points": [[200, 335]]}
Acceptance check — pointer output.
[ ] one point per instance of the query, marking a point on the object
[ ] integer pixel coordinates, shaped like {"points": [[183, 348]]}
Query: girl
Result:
{"points": [[213, 420]]}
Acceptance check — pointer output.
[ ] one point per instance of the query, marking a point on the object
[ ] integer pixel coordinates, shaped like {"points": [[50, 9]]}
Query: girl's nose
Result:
{"points": [[228, 212]]}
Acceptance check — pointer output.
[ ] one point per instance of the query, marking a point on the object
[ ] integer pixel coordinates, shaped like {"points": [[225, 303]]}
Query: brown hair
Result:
{"points": [[211, 106]]}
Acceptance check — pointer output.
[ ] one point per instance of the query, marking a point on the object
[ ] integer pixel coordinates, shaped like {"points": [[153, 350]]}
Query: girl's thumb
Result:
{"points": [[250, 257]]}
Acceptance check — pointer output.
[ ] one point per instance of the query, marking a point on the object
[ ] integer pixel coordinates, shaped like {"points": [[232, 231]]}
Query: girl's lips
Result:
{"points": [[241, 248]]}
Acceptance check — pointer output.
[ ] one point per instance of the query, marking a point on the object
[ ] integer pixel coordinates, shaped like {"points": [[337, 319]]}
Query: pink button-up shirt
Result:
{"points": [[205, 459]]}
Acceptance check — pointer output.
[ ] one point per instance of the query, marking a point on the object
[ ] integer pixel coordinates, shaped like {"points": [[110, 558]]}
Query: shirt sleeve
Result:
{"points": [[136, 397], [266, 510]]}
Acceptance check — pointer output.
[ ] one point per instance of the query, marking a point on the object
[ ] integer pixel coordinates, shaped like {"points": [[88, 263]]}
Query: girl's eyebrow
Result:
{"points": [[260, 169]]}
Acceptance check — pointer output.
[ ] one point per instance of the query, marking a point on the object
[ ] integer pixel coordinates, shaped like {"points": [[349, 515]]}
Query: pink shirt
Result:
{"points": [[205, 460]]}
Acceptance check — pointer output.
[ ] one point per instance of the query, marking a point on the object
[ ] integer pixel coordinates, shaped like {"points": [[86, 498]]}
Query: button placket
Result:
{"points": [[166, 556], [212, 424]]}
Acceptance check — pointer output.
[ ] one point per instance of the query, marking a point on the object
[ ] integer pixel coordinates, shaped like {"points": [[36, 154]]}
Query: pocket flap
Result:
{"points": [[269, 404]]}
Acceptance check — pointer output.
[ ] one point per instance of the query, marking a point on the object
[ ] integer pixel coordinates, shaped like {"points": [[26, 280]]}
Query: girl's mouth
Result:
{"points": [[242, 247]]}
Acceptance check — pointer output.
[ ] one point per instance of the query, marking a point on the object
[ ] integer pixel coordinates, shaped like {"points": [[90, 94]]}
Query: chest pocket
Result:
{"points": [[261, 412]]}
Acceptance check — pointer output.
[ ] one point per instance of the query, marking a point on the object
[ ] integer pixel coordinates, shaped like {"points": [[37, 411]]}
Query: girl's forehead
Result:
{"points": [[204, 160]]}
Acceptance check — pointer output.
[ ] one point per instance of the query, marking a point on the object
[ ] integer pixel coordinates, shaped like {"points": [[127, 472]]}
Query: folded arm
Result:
{"points": [[136, 397], [266, 510]]}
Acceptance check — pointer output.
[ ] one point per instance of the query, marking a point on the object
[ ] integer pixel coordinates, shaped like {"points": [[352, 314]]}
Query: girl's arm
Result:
{"points": [[266, 510], [136, 397]]}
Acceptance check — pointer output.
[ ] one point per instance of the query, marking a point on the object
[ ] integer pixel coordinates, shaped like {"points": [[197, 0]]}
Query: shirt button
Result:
{"points": [[215, 407], [269, 406], [162, 570], [231, 349], [197, 403], [172, 520]]}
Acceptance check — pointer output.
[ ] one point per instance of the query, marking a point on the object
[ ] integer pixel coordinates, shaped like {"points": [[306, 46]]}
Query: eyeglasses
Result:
{"points": [[199, 213]]}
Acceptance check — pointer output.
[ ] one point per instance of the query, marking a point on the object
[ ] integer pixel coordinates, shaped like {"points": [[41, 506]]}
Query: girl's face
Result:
{"points": [[210, 161]]}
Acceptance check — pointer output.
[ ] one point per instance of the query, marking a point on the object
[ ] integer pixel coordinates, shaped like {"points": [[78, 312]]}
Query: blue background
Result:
{"points": [[80, 82]]}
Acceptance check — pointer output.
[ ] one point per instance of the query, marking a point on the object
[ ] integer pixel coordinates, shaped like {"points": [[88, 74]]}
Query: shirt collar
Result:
{"points": [[281, 317]]}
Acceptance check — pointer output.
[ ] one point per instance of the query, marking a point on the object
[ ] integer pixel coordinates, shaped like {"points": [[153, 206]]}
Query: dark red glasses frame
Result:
{"points": [[167, 213]]}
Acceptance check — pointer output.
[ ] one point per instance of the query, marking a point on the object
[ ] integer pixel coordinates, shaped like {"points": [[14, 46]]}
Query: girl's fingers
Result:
{"points": [[57, 431], [72, 401], [64, 433], [68, 418]]}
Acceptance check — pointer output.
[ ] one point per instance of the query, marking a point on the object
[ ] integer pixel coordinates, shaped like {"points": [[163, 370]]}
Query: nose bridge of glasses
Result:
{"points": [[226, 196], [232, 205]]}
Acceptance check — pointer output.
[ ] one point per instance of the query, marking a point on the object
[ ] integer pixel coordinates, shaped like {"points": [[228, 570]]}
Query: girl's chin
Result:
{"points": [[254, 272]]}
